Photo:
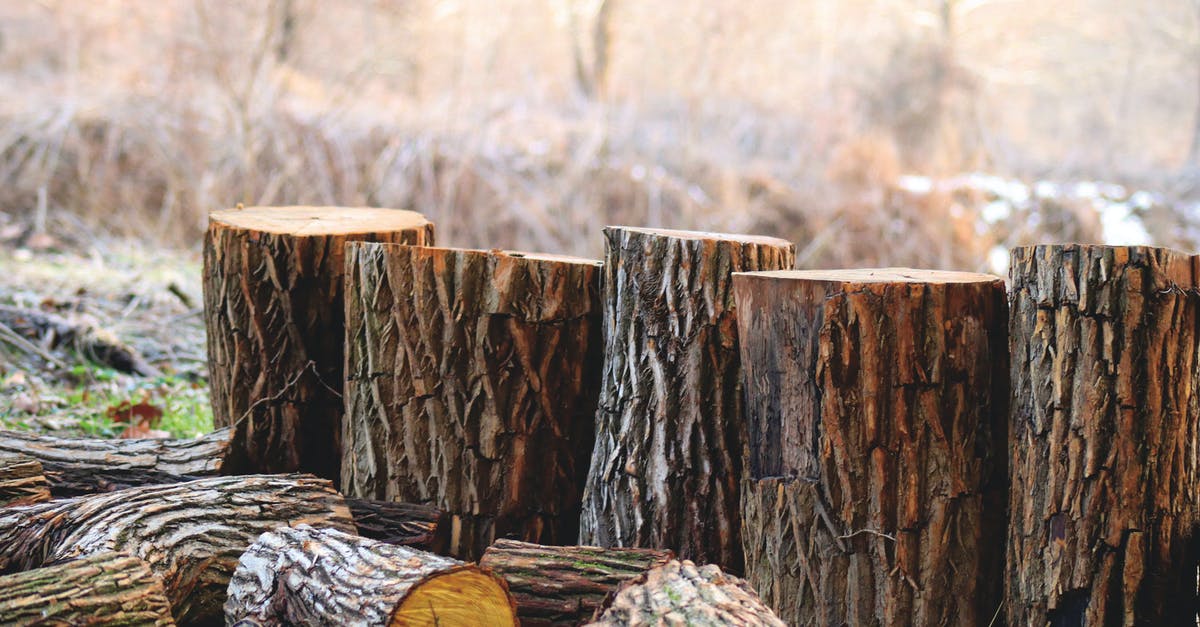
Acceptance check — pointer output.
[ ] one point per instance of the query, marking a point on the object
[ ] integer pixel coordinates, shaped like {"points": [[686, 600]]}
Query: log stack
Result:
{"points": [[273, 309], [876, 407], [471, 386], [100, 589]]}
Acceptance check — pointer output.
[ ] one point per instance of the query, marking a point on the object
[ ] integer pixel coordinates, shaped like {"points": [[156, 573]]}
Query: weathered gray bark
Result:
{"points": [[307, 576], [100, 589], [75, 466], [1104, 437], [472, 383], [273, 308], [680, 593], [191, 534], [565, 585], [418, 526], [876, 408], [667, 462], [22, 481]]}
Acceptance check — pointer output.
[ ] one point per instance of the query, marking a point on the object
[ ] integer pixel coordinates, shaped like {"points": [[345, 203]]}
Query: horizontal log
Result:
{"points": [[100, 589], [681, 593], [407, 524], [22, 481]]}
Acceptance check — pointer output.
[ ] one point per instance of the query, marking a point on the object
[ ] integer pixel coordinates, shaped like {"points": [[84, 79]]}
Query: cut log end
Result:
{"points": [[318, 221], [704, 236], [467, 596]]}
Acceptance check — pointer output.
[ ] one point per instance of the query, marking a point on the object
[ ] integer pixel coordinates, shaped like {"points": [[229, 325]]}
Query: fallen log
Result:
{"points": [[667, 464], [274, 314], [75, 466], [418, 526], [1103, 456], [876, 411], [565, 585], [22, 481], [48, 331], [471, 385], [100, 589], [681, 593], [191, 534], [309, 576]]}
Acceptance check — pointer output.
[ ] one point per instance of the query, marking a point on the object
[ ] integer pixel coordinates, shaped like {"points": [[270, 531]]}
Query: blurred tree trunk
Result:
{"points": [[287, 30], [1194, 150], [591, 77]]}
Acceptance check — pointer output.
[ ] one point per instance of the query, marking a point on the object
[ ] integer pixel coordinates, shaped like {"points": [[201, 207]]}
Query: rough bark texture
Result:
{"points": [[22, 481], [565, 585], [100, 589], [876, 409], [472, 384], [190, 534], [273, 309], [75, 466], [419, 526], [680, 593], [1104, 437], [307, 576], [669, 435]]}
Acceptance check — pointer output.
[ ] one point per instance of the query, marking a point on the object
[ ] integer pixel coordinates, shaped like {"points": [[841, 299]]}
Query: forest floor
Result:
{"points": [[125, 293]]}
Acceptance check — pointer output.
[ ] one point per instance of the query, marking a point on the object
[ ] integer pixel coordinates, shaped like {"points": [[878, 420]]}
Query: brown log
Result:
{"points": [[22, 481], [100, 589], [418, 526], [681, 593], [876, 409], [75, 466], [273, 308], [191, 534], [1104, 437], [565, 585], [669, 434], [307, 576], [472, 383]]}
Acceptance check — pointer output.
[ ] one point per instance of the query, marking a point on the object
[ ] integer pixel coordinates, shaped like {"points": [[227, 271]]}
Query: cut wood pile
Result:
{"points": [[492, 437]]}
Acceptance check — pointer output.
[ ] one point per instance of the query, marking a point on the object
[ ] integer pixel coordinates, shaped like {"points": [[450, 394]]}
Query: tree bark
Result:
{"points": [[471, 387], [876, 409], [22, 481], [190, 534], [565, 585], [100, 589], [667, 462], [680, 593], [1104, 436], [307, 576], [418, 526], [273, 309], [75, 466]]}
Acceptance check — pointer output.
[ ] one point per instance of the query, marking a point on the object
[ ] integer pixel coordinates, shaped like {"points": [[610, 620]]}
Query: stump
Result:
{"points": [[667, 462], [1104, 437], [100, 589], [555, 585], [307, 576], [472, 382], [22, 481], [191, 534], [876, 409], [273, 310], [680, 593]]}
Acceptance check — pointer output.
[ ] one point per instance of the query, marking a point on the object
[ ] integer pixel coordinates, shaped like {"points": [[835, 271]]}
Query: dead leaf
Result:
{"points": [[139, 432], [141, 415]]}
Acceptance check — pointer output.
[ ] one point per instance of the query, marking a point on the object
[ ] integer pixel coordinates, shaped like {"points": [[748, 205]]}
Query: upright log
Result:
{"points": [[667, 462], [22, 481], [273, 308], [565, 585], [307, 576], [472, 382], [1104, 437], [100, 589], [191, 534], [876, 408]]}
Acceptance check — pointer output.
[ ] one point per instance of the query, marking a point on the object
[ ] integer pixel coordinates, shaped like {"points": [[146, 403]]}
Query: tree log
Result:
{"points": [[418, 526], [273, 309], [667, 462], [100, 589], [75, 466], [876, 411], [565, 585], [307, 576], [190, 534], [680, 593], [1104, 437], [22, 481], [472, 382]]}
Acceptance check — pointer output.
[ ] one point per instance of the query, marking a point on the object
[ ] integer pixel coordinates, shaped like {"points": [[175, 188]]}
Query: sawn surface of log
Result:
{"points": [[99, 589], [191, 534], [565, 585], [308, 576], [22, 481]]}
